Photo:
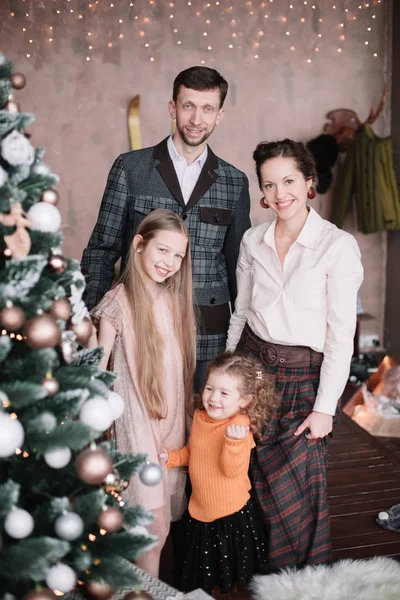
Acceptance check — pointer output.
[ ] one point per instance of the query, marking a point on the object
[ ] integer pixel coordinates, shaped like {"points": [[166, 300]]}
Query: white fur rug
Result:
{"points": [[374, 579]]}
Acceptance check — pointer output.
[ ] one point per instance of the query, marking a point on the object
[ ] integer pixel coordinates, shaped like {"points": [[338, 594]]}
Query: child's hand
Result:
{"points": [[237, 432]]}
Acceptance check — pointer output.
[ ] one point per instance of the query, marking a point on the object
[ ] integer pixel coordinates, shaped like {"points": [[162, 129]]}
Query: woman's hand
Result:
{"points": [[163, 456], [237, 432], [318, 423]]}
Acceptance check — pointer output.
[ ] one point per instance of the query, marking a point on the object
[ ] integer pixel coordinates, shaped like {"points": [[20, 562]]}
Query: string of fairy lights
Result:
{"points": [[248, 25]]}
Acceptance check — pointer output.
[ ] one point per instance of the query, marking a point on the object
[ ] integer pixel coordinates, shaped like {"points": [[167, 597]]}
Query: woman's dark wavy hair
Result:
{"points": [[288, 149]]}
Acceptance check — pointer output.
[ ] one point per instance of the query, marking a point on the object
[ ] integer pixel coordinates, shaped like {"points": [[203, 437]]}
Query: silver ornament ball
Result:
{"points": [[69, 526], [19, 523], [151, 474]]}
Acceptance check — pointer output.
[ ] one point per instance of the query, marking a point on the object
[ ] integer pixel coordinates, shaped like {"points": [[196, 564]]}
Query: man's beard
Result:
{"points": [[190, 142]]}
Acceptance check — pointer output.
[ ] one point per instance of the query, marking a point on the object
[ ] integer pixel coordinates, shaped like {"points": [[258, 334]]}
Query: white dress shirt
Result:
{"points": [[311, 301], [187, 174]]}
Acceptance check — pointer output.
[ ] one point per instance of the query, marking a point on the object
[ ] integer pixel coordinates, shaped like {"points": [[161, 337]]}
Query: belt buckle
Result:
{"points": [[271, 354]]}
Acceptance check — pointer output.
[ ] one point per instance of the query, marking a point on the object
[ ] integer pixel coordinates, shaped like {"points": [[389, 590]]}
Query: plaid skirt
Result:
{"points": [[289, 472]]}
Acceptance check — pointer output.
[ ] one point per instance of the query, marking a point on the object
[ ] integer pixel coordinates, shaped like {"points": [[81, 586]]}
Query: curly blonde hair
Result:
{"points": [[253, 381]]}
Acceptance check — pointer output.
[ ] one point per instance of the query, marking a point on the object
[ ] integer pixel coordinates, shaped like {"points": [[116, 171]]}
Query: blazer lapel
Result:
{"points": [[205, 180], [167, 171]]}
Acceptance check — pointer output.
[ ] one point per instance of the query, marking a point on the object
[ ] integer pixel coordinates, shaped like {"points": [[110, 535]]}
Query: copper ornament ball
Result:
{"points": [[42, 332], [110, 519], [57, 263], [82, 330], [11, 106], [50, 196], [18, 81], [138, 595], [61, 309], [51, 385], [93, 465], [12, 318], [98, 591], [44, 594]]}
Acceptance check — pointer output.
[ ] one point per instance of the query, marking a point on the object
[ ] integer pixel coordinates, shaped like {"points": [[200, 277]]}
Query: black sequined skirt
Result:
{"points": [[225, 553]]}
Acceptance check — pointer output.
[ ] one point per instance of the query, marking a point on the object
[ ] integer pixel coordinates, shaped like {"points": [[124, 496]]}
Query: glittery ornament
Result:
{"points": [[93, 465], [96, 590], [57, 263], [61, 309], [18, 81], [43, 594], [11, 106], [82, 330], [110, 519], [150, 474], [50, 384], [68, 346], [45, 217], [50, 196], [42, 332], [138, 595], [12, 318]]}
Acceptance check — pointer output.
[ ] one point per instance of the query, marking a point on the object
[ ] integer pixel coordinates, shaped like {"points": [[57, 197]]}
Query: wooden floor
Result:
{"points": [[363, 479]]}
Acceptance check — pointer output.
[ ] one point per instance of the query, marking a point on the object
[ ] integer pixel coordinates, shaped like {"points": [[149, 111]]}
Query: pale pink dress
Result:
{"points": [[135, 431]]}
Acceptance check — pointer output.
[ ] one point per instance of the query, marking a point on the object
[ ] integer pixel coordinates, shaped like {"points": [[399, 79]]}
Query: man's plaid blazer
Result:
{"points": [[216, 216]]}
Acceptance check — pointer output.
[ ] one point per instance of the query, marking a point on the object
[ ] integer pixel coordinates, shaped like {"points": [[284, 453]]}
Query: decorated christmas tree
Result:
{"points": [[64, 527]]}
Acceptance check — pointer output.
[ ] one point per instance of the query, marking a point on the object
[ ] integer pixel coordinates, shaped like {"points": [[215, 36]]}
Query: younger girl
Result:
{"points": [[224, 541], [146, 327]]}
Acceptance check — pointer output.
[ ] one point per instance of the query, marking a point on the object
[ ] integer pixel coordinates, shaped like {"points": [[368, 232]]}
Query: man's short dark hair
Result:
{"points": [[201, 79]]}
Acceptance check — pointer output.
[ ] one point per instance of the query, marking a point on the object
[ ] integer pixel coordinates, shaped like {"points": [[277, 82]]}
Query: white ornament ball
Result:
{"points": [[69, 526], [19, 523], [150, 474], [45, 217], [58, 458], [41, 168], [12, 435], [383, 516], [96, 413], [61, 577], [116, 403]]}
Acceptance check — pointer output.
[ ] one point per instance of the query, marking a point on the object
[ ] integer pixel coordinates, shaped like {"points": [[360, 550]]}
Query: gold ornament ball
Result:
{"points": [[138, 595], [93, 465], [42, 332], [11, 106], [50, 196], [43, 594], [57, 263], [82, 330], [61, 309], [51, 385], [18, 81], [97, 590], [110, 519], [12, 318]]}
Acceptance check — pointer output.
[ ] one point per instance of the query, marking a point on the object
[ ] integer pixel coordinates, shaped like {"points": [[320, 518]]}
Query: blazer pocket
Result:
{"points": [[212, 227]]}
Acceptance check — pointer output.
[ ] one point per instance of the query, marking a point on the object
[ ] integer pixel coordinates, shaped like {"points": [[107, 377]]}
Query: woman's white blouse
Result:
{"points": [[311, 301]]}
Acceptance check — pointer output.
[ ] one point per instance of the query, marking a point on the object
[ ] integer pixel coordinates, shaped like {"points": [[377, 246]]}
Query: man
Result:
{"points": [[184, 175]]}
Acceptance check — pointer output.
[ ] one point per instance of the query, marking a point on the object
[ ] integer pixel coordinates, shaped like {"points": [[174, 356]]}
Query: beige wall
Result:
{"points": [[81, 106]]}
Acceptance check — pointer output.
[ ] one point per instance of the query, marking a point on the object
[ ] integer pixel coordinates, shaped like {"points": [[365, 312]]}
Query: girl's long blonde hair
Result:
{"points": [[149, 345]]}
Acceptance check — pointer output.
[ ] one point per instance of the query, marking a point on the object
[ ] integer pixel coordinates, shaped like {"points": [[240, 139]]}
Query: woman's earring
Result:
{"points": [[138, 251], [311, 193], [263, 203]]}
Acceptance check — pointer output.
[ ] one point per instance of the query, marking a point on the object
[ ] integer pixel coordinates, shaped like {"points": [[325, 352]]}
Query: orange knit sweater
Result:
{"points": [[218, 467]]}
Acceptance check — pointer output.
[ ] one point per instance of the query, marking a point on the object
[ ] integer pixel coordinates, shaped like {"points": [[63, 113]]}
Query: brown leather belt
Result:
{"points": [[278, 355]]}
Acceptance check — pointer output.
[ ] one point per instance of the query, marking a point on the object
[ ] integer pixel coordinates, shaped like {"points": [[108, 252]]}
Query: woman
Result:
{"points": [[298, 278]]}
